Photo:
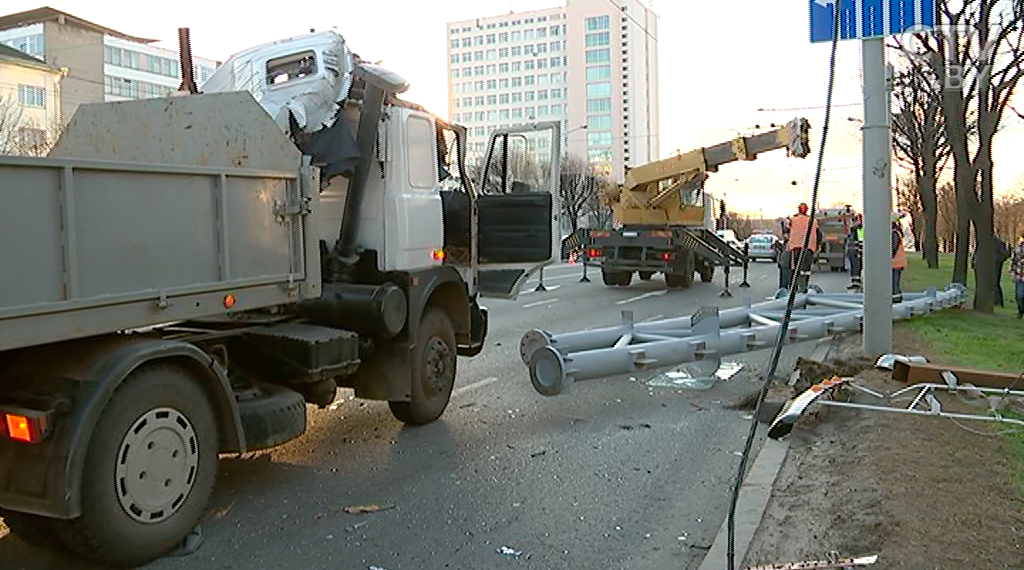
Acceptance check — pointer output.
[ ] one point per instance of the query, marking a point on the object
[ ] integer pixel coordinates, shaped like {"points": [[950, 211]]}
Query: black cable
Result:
{"points": [[784, 327]]}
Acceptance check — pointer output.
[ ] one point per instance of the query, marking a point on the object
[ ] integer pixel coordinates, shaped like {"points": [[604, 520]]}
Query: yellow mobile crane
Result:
{"points": [[662, 214]]}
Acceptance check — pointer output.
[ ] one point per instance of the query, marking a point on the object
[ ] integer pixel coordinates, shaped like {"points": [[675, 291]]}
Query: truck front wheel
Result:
{"points": [[433, 370], [149, 469]]}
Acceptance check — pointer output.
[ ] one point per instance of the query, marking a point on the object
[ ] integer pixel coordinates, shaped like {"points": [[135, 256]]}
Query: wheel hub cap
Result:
{"points": [[156, 465], [436, 366]]}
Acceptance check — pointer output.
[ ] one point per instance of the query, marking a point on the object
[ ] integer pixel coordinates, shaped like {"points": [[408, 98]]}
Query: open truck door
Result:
{"points": [[518, 208]]}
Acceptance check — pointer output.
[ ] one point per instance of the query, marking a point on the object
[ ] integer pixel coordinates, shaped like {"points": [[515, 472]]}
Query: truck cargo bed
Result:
{"points": [[97, 246]]}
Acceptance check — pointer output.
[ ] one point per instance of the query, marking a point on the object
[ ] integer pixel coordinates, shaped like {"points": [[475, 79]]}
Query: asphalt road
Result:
{"points": [[612, 474]]}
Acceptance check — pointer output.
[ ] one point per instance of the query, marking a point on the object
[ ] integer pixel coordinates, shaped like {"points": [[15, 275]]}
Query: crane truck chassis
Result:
{"points": [[664, 216], [184, 275]]}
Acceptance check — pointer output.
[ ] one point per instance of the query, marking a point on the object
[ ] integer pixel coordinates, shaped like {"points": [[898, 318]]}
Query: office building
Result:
{"points": [[100, 64], [591, 64]]}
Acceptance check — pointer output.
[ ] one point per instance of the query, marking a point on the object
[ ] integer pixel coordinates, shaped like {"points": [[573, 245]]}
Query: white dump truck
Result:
{"points": [[183, 276]]}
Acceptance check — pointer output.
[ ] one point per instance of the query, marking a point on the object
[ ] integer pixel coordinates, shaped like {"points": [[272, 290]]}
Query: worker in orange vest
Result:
{"points": [[899, 258], [797, 230]]}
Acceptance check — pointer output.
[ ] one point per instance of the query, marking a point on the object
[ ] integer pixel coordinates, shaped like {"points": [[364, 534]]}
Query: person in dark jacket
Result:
{"points": [[855, 251]]}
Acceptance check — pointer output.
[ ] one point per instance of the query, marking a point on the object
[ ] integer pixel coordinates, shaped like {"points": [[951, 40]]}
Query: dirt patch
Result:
{"points": [[922, 493]]}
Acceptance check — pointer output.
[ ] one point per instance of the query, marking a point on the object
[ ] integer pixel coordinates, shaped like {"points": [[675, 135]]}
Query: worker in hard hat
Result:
{"points": [[899, 258], [801, 260]]}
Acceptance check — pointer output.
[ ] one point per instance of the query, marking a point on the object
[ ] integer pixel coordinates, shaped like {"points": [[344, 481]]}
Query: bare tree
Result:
{"points": [[977, 58], [20, 136], [575, 189], [908, 199], [919, 141]]}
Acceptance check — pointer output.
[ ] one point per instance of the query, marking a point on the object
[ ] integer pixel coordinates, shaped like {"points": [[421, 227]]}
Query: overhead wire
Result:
{"points": [[784, 327]]}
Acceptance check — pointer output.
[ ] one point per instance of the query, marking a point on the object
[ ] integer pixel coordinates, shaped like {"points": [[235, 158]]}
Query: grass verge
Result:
{"points": [[965, 338]]}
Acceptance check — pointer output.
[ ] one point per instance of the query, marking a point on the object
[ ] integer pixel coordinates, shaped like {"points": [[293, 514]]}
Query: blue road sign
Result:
{"points": [[860, 19]]}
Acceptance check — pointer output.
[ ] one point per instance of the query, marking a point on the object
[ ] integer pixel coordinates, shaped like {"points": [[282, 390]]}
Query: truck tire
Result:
{"points": [[707, 273], [625, 278], [276, 416], [34, 530], [609, 277], [149, 469], [433, 370]]}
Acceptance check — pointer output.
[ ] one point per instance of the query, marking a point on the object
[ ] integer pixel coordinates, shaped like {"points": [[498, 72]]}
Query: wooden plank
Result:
{"points": [[913, 373]]}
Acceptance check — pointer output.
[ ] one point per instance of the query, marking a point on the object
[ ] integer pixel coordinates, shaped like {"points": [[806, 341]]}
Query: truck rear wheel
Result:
{"points": [[707, 273], [149, 469], [433, 370]]}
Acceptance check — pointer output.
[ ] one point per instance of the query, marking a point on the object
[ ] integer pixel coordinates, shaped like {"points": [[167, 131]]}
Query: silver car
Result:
{"points": [[762, 246]]}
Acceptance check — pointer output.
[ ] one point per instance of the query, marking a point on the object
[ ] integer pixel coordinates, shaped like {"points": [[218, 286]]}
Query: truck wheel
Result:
{"points": [[686, 271], [707, 273], [277, 415], [34, 530], [625, 278], [645, 275], [433, 370], [149, 469], [609, 277]]}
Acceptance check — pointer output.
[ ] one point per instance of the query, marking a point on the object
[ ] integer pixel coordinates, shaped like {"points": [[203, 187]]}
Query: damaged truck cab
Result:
{"points": [[187, 286]]}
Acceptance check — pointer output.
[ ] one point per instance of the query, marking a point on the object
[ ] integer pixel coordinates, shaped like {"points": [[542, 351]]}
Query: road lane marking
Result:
{"points": [[535, 303], [642, 296], [654, 318], [464, 389]]}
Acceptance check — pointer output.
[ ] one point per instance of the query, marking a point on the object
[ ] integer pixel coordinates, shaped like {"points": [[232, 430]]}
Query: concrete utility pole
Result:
{"points": [[877, 200]]}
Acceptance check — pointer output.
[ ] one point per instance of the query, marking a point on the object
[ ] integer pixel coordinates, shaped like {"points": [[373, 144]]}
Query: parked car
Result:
{"points": [[762, 246]]}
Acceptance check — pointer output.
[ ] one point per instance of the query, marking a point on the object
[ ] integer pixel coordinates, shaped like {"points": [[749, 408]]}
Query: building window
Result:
{"points": [[467, 42], [503, 83], [455, 44], [599, 72], [491, 38], [599, 122], [598, 39], [599, 139], [542, 111], [479, 116], [596, 23], [528, 96], [492, 54], [34, 45], [503, 36], [528, 34], [555, 46], [528, 65], [478, 40], [517, 82], [503, 114], [553, 30], [517, 97], [599, 55], [480, 100], [529, 80], [503, 98], [516, 35], [503, 52], [492, 116], [492, 84], [599, 154], [542, 94], [31, 96], [492, 99], [599, 89], [467, 101], [528, 113], [455, 74], [478, 70], [599, 105], [542, 32], [467, 57], [491, 68], [556, 93], [542, 64], [517, 113]]}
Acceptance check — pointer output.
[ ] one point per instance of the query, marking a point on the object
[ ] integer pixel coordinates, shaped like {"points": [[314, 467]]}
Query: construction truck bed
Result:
{"points": [[97, 246], [676, 251]]}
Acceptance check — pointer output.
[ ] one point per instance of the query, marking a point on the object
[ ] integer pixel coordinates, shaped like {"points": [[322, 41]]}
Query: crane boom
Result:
{"points": [[645, 197]]}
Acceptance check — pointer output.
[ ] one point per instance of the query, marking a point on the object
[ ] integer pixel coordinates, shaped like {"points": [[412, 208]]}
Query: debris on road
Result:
{"points": [[832, 562], [886, 361], [727, 370], [372, 567], [506, 551], [363, 509]]}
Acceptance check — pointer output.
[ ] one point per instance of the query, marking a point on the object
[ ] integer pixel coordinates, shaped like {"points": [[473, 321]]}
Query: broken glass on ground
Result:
{"points": [[700, 375]]}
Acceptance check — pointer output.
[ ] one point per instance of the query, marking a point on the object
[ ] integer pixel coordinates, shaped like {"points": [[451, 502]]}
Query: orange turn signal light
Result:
{"points": [[437, 255], [29, 426], [229, 301]]}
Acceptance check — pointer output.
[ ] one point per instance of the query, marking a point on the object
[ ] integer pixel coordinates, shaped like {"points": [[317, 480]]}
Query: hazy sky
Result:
{"points": [[720, 62]]}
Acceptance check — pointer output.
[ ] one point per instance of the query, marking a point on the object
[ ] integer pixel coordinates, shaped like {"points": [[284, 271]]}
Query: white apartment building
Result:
{"points": [[101, 64], [591, 64]]}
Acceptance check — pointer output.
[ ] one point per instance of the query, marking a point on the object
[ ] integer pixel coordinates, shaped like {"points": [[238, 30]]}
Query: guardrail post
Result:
{"points": [[746, 262]]}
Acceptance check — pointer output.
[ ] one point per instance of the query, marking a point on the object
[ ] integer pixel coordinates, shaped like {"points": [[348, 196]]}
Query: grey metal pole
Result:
{"points": [[877, 266]]}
